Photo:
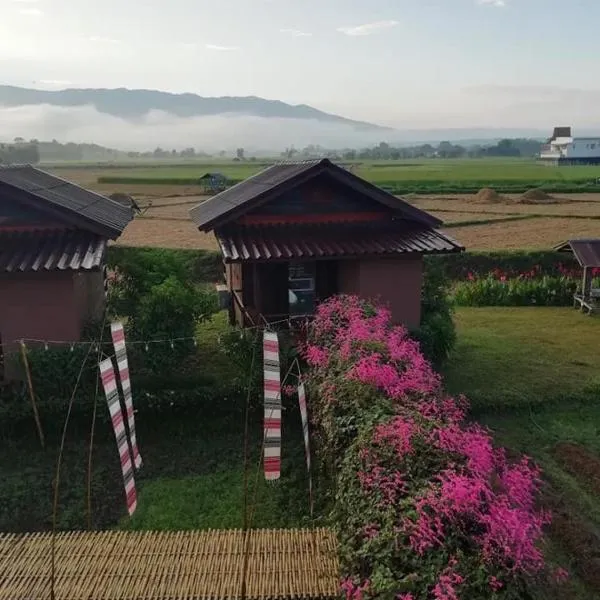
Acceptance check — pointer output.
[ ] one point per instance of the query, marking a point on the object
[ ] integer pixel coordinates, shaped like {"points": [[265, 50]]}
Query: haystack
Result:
{"points": [[537, 196], [488, 196]]}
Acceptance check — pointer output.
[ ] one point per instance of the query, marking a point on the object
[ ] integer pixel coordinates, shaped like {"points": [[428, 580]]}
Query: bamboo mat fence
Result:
{"points": [[207, 565]]}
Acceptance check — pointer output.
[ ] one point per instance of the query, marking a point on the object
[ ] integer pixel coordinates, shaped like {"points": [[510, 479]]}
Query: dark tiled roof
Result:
{"points": [[587, 251], [285, 243], [64, 195], [50, 250], [279, 176]]}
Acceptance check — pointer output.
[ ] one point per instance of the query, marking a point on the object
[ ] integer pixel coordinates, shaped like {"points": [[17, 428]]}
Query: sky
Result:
{"points": [[402, 63]]}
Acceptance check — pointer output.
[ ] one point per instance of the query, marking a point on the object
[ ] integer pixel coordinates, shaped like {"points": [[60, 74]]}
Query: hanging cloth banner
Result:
{"points": [[109, 382], [118, 336], [272, 418], [304, 417]]}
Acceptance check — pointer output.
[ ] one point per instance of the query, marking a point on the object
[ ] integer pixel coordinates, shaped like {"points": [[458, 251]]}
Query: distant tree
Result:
{"points": [[19, 140], [289, 153], [239, 153], [188, 153]]}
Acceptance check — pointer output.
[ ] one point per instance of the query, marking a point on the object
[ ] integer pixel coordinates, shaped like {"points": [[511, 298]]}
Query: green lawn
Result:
{"points": [[193, 472], [510, 357], [533, 378]]}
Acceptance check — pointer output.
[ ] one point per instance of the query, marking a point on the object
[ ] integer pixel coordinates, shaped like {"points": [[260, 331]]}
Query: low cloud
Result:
{"points": [[295, 32], [368, 28], [31, 12], [98, 39], [212, 134], [221, 48], [55, 82], [496, 3]]}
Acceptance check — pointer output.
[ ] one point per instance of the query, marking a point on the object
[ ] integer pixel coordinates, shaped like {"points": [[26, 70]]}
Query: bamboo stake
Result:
{"points": [[36, 414]]}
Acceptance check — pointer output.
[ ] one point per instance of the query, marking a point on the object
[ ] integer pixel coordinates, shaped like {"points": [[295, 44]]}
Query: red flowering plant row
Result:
{"points": [[425, 506], [527, 288]]}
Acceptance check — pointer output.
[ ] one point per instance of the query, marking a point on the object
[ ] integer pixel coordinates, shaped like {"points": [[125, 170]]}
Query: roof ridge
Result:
{"points": [[308, 161]]}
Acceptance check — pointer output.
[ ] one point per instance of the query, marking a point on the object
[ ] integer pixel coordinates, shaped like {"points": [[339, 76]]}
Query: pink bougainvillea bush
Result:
{"points": [[426, 506]]}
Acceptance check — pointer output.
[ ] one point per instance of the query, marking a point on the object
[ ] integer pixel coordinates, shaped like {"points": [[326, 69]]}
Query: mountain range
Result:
{"points": [[136, 104]]}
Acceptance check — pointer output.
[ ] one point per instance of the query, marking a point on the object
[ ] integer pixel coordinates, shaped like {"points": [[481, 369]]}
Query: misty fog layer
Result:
{"points": [[225, 132]]}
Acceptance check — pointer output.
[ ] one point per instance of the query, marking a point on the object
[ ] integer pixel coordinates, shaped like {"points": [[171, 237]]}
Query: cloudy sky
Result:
{"points": [[406, 63]]}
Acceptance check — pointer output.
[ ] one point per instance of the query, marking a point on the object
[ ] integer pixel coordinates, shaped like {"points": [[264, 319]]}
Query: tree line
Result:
{"points": [[515, 148], [34, 151]]}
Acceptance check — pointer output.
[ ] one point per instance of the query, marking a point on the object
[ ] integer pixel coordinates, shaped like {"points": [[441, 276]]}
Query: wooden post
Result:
{"points": [[36, 415]]}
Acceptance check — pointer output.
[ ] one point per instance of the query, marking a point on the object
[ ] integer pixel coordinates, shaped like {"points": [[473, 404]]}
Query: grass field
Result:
{"points": [[376, 171], [533, 377]]}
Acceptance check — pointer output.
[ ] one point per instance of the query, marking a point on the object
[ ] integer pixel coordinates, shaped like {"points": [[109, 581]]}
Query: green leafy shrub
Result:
{"points": [[170, 310], [489, 291], [437, 333], [140, 268]]}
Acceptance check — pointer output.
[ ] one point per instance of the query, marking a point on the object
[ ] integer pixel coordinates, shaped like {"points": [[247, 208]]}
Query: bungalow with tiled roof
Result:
{"points": [[297, 233], [53, 238]]}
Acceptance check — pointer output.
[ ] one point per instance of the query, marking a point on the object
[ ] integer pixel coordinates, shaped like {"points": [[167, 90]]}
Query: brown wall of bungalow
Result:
{"points": [[47, 306], [394, 282]]}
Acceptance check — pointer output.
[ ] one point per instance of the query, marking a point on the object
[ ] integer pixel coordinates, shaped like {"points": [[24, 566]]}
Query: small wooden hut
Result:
{"points": [[213, 183], [299, 232], [587, 253]]}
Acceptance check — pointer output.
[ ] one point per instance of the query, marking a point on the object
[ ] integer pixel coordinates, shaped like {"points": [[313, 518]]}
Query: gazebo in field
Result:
{"points": [[587, 253], [213, 183]]}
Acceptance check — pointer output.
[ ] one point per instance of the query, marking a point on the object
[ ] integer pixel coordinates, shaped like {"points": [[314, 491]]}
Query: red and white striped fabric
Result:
{"points": [[118, 336], [272, 406], [304, 417], [109, 382]]}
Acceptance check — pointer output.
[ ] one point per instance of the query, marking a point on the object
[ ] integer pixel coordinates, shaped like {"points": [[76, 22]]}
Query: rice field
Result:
{"points": [[467, 170], [505, 223]]}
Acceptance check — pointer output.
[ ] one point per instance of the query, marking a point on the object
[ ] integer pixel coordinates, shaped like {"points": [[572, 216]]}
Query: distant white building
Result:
{"points": [[563, 148]]}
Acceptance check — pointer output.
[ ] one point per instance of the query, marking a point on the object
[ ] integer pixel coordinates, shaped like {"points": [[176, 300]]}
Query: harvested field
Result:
{"points": [[540, 233], [147, 191], [459, 216], [581, 463], [162, 233], [170, 208], [565, 207]]}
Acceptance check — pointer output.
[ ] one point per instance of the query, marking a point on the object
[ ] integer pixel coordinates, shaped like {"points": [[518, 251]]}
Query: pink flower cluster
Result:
{"points": [[436, 480], [376, 353], [352, 590]]}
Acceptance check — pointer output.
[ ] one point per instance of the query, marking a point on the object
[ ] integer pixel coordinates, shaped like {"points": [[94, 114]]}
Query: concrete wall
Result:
{"points": [[395, 283], [40, 306], [89, 293]]}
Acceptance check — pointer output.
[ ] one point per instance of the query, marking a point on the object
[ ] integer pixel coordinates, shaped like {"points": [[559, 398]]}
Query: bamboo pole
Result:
{"points": [[36, 414]]}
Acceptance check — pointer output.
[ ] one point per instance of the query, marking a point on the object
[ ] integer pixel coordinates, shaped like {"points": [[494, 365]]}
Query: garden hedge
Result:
{"points": [[206, 266], [423, 504]]}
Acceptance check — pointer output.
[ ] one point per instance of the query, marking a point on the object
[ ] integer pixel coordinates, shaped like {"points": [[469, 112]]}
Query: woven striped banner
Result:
{"points": [[304, 417], [109, 382], [118, 336], [272, 424]]}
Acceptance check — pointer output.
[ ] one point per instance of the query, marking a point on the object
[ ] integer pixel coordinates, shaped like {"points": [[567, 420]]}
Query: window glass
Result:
{"points": [[301, 288]]}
